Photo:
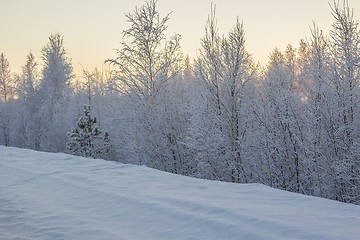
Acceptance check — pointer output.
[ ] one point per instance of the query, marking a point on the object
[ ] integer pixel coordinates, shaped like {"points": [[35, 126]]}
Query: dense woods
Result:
{"points": [[293, 124]]}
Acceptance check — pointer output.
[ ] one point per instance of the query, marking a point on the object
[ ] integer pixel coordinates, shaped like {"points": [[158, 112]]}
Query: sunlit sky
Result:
{"points": [[93, 29]]}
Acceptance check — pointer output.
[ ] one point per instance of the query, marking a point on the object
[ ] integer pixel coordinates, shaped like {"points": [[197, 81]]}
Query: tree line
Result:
{"points": [[292, 125]]}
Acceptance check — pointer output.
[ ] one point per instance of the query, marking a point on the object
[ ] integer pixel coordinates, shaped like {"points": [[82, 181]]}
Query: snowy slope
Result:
{"points": [[58, 196]]}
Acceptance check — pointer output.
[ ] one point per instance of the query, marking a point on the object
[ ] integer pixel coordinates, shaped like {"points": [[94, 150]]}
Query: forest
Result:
{"points": [[292, 124]]}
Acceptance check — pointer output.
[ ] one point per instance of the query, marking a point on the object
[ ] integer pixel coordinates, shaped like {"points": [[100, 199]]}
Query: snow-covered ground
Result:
{"points": [[58, 196]]}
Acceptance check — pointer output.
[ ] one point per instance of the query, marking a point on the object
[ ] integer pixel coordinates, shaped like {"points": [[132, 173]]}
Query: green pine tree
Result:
{"points": [[87, 140]]}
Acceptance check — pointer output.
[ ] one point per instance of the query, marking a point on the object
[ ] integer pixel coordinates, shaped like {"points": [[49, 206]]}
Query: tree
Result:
{"points": [[206, 139], [144, 66], [224, 70], [87, 140], [317, 95], [236, 76], [53, 95], [27, 87], [5, 79], [6, 89], [282, 120], [345, 81], [57, 72], [95, 87]]}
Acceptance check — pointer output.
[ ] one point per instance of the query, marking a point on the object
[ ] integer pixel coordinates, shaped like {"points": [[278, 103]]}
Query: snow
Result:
{"points": [[59, 196]]}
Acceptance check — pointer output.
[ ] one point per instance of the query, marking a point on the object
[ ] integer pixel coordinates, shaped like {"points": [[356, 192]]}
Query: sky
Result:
{"points": [[93, 29]]}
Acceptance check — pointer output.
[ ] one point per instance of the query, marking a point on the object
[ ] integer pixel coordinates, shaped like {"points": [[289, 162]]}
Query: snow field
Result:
{"points": [[58, 196]]}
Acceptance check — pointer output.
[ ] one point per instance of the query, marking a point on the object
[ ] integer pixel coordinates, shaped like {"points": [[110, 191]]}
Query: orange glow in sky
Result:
{"points": [[93, 29]]}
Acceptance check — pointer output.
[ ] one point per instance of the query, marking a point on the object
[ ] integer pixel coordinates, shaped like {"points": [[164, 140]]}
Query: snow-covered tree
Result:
{"points": [[87, 140], [95, 87], [6, 82], [26, 87], [345, 81], [282, 120], [220, 121], [144, 66], [6, 89], [27, 103], [236, 77], [206, 139], [314, 85], [53, 95]]}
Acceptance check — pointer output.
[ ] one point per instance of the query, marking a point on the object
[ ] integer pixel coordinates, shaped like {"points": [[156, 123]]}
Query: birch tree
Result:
{"points": [[224, 70], [144, 66]]}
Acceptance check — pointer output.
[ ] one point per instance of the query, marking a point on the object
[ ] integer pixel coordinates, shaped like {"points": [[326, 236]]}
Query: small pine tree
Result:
{"points": [[87, 140]]}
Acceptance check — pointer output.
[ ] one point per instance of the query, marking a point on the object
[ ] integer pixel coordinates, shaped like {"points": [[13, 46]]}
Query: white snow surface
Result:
{"points": [[59, 196]]}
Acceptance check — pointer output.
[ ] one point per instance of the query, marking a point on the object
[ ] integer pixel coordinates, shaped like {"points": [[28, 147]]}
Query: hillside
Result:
{"points": [[58, 196]]}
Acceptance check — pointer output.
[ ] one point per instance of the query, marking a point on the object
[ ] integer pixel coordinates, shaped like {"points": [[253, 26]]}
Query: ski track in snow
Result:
{"points": [[58, 196]]}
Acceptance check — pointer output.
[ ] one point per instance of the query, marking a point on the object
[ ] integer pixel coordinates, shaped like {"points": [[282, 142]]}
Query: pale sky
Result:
{"points": [[93, 29]]}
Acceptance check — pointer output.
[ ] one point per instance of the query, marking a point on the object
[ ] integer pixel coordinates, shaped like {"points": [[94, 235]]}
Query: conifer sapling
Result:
{"points": [[87, 140]]}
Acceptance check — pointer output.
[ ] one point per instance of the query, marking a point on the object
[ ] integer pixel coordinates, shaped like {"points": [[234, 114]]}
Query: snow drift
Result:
{"points": [[58, 196]]}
